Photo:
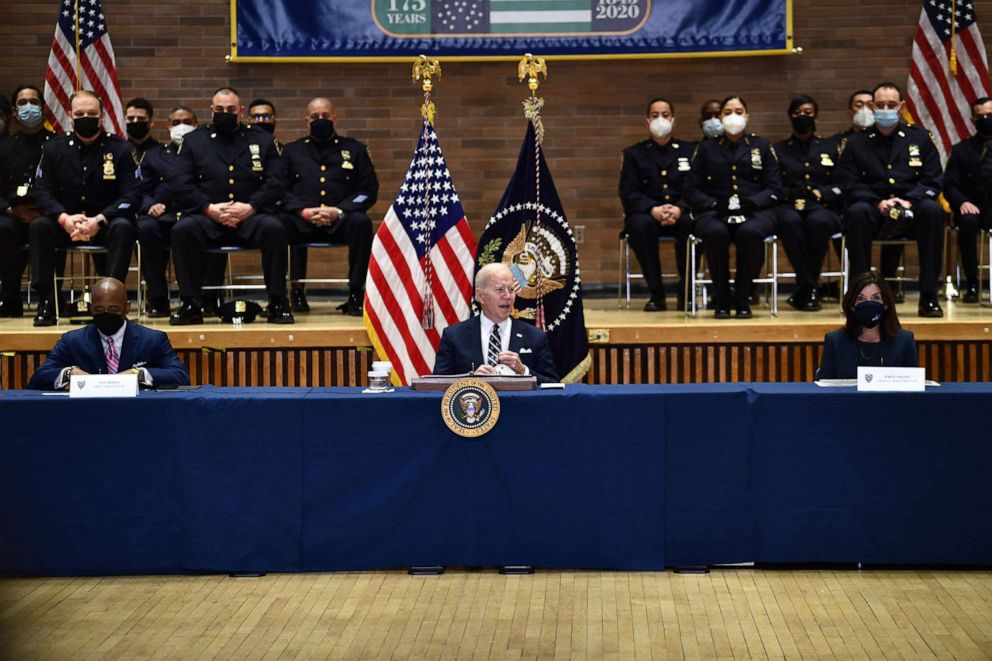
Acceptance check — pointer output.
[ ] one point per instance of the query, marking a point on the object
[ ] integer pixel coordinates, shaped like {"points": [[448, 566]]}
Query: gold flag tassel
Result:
{"points": [[529, 68], [425, 70], [954, 29]]}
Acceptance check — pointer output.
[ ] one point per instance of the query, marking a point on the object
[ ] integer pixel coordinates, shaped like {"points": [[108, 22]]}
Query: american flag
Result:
{"points": [[949, 71], [96, 67], [424, 244]]}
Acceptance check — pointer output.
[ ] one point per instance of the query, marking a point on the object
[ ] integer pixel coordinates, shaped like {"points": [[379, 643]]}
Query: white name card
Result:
{"points": [[104, 385], [892, 379]]}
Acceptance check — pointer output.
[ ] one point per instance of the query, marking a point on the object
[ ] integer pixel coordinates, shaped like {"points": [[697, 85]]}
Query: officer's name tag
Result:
{"points": [[891, 379], [22, 190], [103, 385]]}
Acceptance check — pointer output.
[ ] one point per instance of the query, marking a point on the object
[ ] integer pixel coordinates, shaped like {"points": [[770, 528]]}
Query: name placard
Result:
{"points": [[892, 379], [103, 385]]}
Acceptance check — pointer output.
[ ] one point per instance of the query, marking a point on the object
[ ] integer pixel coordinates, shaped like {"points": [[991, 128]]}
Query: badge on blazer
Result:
{"points": [[22, 190], [826, 161], [914, 157], [346, 154], [799, 203], [756, 158], [256, 158], [347, 164], [108, 167], [683, 163]]}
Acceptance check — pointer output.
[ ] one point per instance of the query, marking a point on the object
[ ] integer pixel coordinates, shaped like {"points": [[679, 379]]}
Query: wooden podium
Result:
{"points": [[438, 382]]}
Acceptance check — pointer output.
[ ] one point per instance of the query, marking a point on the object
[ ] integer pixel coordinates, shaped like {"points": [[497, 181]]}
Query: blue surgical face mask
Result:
{"points": [[886, 119], [869, 313], [713, 127], [30, 115]]}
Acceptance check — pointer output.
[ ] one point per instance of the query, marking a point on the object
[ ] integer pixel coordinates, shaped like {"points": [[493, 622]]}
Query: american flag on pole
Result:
{"points": [[949, 71], [82, 59], [424, 245]]}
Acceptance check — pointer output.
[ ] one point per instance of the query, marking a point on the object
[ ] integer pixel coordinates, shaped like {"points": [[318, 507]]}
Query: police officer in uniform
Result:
{"points": [[330, 185], [968, 189], [733, 187], [19, 156], [651, 182], [809, 216], [224, 176], [891, 177], [86, 191]]}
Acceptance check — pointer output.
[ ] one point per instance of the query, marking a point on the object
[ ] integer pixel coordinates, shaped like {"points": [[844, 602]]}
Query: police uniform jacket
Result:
{"points": [[808, 165], [90, 179], [213, 168], [155, 167], [653, 174], [905, 164], [337, 172], [19, 156], [720, 169], [964, 180]]}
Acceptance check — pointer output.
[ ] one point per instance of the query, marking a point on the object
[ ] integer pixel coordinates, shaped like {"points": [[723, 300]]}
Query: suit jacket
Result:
{"points": [[142, 347], [808, 166], [841, 354], [963, 180], [336, 173], [461, 349], [873, 168], [156, 164]]}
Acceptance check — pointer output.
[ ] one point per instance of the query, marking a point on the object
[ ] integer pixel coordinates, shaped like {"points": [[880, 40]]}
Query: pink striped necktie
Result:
{"points": [[112, 358]]}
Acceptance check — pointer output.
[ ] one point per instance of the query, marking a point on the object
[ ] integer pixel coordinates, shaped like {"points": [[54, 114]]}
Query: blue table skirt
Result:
{"points": [[624, 477]]}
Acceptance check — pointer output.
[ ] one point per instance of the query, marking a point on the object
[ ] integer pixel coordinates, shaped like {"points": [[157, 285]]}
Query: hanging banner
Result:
{"points": [[396, 30]]}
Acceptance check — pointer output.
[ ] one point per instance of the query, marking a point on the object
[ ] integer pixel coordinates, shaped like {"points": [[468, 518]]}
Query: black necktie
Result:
{"points": [[494, 346]]}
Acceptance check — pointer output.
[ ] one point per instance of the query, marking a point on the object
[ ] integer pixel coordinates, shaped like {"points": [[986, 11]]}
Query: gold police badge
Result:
{"points": [[470, 407]]}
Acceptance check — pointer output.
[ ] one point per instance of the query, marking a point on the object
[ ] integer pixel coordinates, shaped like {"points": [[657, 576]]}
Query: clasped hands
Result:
{"points": [[230, 214], [666, 214], [885, 206], [509, 358], [319, 216], [79, 226]]}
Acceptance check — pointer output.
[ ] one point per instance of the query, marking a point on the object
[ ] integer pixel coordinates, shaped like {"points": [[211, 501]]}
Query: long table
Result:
{"points": [[624, 477]]}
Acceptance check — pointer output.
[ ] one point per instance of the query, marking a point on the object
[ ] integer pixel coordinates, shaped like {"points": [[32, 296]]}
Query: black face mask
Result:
{"points": [[268, 127], [86, 127], [322, 129], [108, 323], [803, 124], [984, 125], [226, 122], [869, 313], [137, 130]]}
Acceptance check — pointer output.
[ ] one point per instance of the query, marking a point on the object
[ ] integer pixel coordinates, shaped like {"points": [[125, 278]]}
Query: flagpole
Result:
{"points": [[530, 67], [78, 65], [425, 69]]}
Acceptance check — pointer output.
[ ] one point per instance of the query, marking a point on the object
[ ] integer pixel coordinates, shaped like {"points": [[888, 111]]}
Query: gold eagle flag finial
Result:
{"points": [[426, 70], [529, 68]]}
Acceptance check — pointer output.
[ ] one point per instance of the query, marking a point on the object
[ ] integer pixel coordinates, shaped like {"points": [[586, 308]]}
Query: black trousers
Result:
{"points": [[806, 236], [193, 235], [355, 231], [47, 237], [155, 237], [749, 237], [927, 227], [968, 226], [643, 232], [13, 258]]}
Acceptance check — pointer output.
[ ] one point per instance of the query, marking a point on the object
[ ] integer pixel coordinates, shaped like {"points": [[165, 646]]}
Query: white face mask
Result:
{"points": [[660, 127], [864, 117], [734, 124], [178, 131]]}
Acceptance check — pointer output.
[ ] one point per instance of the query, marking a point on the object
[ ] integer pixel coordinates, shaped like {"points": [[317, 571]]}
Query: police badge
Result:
{"points": [[256, 158], [108, 167], [470, 407], [756, 158]]}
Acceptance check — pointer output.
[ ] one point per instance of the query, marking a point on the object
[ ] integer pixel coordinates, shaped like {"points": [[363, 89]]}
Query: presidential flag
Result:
{"points": [[420, 274], [949, 70], [530, 234], [82, 58]]}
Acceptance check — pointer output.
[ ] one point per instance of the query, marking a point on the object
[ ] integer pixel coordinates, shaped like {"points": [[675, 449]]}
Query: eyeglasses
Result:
{"points": [[502, 290], [262, 117]]}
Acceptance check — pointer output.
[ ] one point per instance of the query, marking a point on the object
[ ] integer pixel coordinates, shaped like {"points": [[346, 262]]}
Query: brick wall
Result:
{"points": [[172, 52]]}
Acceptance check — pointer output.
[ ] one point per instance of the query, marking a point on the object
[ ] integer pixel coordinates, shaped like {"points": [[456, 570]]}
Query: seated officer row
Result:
{"points": [[226, 184], [878, 180]]}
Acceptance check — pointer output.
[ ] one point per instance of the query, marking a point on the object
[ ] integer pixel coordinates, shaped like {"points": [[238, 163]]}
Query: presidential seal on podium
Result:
{"points": [[470, 407]]}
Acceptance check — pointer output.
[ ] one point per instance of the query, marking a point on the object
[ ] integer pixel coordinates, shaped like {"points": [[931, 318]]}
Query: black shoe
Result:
{"points": [[970, 295], [12, 307], [929, 307], [212, 306], [299, 300], [656, 304], [743, 311], [829, 292], [899, 296], [158, 307], [188, 314], [46, 314], [805, 300], [353, 306], [278, 311], [721, 312]]}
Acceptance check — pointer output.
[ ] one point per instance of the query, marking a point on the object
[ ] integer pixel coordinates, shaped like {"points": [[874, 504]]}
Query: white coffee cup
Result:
{"points": [[382, 366]]}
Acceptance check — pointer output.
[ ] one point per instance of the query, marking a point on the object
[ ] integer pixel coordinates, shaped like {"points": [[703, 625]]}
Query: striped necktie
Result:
{"points": [[494, 346], [112, 358]]}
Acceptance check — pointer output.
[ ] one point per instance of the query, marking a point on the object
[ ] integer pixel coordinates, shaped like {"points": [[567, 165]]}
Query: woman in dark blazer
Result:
{"points": [[872, 336]]}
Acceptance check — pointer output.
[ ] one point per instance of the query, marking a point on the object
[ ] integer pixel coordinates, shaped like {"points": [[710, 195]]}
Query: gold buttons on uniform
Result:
{"points": [[891, 180], [888, 167], [806, 175], [230, 168], [733, 167], [230, 196], [82, 197], [323, 193], [806, 164], [323, 179], [664, 173], [323, 167], [230, 181], [735, 186]]}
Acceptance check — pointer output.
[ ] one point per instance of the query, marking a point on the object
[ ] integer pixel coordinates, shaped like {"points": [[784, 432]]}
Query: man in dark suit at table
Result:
{"points": [[111, 345], [493, 342]]}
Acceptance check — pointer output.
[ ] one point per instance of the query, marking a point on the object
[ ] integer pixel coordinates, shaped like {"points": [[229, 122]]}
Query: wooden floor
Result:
{"points": [[731, 613]]}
